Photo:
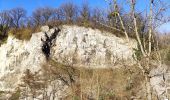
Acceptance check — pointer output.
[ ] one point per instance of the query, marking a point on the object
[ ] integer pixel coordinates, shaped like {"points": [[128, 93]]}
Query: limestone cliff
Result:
{"points": [[79, 46], [73, 45]]}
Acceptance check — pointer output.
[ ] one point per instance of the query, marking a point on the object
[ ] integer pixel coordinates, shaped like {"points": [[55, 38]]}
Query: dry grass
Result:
{"points": [[23, 33], [89, 24], [107, 84], [101, 84], [90, 84]]}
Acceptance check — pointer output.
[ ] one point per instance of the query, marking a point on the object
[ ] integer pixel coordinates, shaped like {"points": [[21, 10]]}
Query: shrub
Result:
{"points": [[168, 55], [22, 34], [137, 53], [4, 40], [3, 34]]}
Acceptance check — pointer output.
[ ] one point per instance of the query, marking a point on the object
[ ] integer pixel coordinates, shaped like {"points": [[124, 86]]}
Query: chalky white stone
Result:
{"points": [[74, 45]]}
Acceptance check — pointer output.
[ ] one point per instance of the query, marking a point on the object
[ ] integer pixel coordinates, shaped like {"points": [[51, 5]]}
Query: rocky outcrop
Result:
{"points": [[79, 46], [73, 45], [16, 56], [158, 80]]}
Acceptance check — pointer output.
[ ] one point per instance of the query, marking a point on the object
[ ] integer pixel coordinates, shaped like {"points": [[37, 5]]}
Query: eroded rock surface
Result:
{"points": [[77, 46], [16, 56], [86, 47]]}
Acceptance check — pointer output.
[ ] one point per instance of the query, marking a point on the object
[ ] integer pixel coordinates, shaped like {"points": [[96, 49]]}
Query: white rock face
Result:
{"points": [[45, 29], [16, 56], [86, 47], [74, 45], [158, 77]]}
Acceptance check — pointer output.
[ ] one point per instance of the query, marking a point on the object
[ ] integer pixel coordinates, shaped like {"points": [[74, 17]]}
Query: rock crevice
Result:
{"points": [[48, 42]]}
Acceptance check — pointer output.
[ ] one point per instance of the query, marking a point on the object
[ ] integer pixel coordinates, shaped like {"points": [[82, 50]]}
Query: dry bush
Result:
{"points": [[88, 25], [106, 84], [3, 40], [90, 84], [23, 33], [103, 84]]}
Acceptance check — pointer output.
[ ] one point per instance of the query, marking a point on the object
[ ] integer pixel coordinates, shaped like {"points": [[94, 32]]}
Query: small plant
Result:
{"points": [[168, 55], [76, 98], [1, 92], [137, 53], [16, 95]]}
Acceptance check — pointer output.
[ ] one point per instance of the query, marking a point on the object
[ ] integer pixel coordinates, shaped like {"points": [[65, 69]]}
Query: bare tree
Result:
{"points": [[43, 15], [5, 22], [30, 22], [69, 11], [17, 14], [96, 14], [37, 16], [58, 15], [85, 13], [47, 13], [145, 63], [5, 18]]}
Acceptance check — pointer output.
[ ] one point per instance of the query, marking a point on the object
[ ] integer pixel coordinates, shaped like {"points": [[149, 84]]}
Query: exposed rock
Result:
{"points": [[86, 47], [54, 91], [158, 77], [73, 45], [45, 28], [16, 57]]}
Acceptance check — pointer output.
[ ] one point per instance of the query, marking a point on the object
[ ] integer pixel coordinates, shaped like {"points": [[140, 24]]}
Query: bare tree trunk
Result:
{"points": [[150, 27], [146, 51], [147, 79], [148, 88], [136, 28], [121, 21]]}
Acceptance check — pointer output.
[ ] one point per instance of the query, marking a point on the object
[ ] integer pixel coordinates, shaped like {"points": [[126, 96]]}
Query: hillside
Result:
{"points": [[68, 62], [70, 46]]}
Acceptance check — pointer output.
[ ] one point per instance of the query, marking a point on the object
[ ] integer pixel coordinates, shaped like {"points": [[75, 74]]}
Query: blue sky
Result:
{"points": [[30, 5]]}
